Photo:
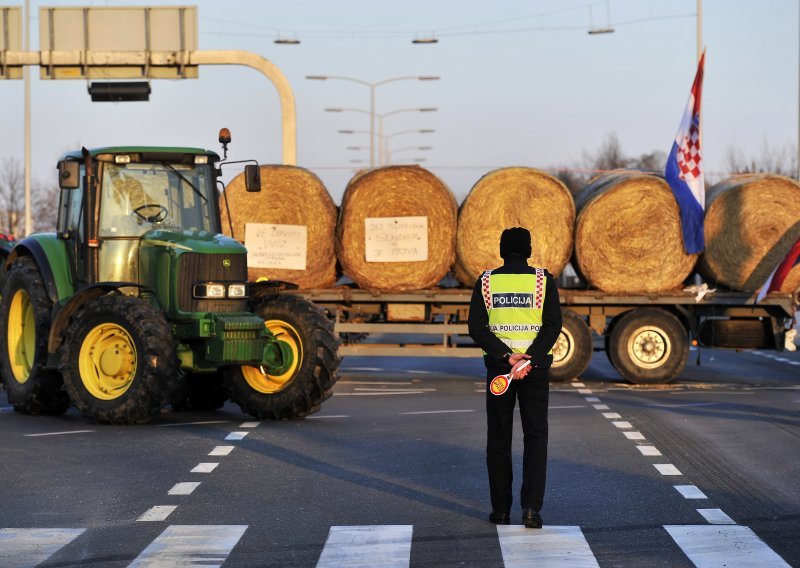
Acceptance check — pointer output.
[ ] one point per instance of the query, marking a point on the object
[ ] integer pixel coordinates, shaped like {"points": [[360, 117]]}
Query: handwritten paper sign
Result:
{"points": [[276, 246], [396, 239]]}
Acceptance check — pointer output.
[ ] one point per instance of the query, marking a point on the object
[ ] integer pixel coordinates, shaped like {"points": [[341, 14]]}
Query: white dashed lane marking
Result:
{"points": [[195, 423], [236, 435], [325, 416], [634, 435], [157, 513], [622, 424], [205, 467], [438, 412], [690, 492], [184, 488], [710, 546], [221, 451], [716, 517], [667, 469], [249, 424], [611, 415], [58, 433], [648, 450]]}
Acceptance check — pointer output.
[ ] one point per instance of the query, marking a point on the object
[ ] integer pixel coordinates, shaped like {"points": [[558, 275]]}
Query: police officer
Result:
{"points": [[515, 315]]}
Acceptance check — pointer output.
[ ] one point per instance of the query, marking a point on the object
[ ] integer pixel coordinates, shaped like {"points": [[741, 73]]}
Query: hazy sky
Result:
{"points": [[522, 83]]}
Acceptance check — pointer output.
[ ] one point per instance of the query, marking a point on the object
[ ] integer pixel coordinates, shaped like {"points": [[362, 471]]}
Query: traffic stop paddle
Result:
{"points": [[499, 384]]}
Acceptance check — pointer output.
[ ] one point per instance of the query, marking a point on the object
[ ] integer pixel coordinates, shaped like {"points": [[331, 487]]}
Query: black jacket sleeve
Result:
{"points": [[478, 325], [551, 326]]}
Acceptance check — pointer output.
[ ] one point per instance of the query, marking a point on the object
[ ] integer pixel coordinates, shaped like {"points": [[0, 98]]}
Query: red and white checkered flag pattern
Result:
{"points": [[689, 155]]}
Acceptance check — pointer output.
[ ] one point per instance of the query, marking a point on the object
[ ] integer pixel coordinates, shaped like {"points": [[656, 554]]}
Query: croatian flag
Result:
{"points": [[684, 171], [778, 276]]}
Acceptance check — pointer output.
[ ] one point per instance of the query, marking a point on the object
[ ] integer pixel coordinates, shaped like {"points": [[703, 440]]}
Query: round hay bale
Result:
{"points": [[514, 197], [387, 213], [751, 222], [288, 227], [628, 236]]}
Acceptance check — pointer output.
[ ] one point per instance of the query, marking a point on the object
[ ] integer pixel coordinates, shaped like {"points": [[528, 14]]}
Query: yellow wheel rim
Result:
{"points": [[269, 384], [21, 336], [107, 361]]}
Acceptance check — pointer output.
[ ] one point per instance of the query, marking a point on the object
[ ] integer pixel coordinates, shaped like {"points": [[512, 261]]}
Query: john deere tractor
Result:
{"points": [[138, 300]]}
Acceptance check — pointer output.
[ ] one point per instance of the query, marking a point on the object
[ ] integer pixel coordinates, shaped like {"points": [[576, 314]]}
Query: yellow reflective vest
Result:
{"points": [[515, 304]]}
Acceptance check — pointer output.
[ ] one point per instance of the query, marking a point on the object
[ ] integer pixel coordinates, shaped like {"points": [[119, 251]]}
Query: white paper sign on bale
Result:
{"points": [[276, 246], [396, 239]]}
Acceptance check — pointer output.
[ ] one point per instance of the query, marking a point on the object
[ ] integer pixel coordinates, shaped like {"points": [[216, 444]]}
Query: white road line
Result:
{"points": [[6, 409], [648, 450], [667, 469], [236, 435], [387, 546], [682, 405], [324, 416], [391, 390], [549, 547], [387, 383], [420, 372], [205, 467], [690, 492], [58, 433], [26, 548], [195, 423], [436, 411], [221, 451], [157, 513], [249, 424], [600, 406], [190, 545], [584, 391], [592, 399], [567, 406], [184, 488], [611, 415], [634, 435], [622, 424], [577, 385], [710, 546], [716, 517]]}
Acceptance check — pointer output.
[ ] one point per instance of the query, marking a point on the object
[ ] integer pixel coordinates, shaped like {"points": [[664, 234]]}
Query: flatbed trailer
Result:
{"points": [[647, 337]]}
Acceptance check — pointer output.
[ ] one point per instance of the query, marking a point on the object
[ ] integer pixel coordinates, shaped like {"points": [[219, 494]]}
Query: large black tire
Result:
{"points": [[24, 328], [573, 349], [309, 382], [201, 391], [118, 359], [648, 346]]}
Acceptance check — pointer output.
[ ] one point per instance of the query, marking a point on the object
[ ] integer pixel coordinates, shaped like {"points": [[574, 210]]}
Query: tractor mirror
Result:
{"points": [[252, 178], [69, 174]]}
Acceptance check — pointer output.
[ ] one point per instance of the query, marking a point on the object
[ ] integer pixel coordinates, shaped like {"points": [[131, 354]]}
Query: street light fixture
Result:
{"points": [[422, 148], [372, 87]]}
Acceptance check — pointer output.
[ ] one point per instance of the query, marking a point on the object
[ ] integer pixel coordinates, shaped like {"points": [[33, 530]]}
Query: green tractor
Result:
{"points": [[138, 300]]}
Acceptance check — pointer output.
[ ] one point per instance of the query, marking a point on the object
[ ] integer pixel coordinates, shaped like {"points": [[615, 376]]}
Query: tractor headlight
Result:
{"points": [[209, 290], [237, 290]]}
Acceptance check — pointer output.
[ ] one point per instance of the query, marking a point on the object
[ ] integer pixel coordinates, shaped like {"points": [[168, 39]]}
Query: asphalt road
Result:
{"points": [[391, 473]]}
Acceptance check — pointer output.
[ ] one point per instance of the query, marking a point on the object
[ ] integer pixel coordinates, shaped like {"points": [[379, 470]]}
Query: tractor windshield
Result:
{"points": [[139, 197]]}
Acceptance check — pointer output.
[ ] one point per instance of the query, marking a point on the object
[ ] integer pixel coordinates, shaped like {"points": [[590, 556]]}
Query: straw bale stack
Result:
{"points": [[398, 192], [751, 222], [514, 197], [289, 196], [628, 236]]}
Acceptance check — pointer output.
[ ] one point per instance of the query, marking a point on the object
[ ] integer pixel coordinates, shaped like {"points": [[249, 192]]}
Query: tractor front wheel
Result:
{"points": [[25, 317], [118, 360], [307, 383]]}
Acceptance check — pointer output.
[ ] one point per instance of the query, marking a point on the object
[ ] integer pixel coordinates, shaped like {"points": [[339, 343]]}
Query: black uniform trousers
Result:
{"points": [[533, 393]]}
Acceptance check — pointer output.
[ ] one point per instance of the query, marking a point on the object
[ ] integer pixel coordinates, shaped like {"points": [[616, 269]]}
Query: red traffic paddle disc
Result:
{"points": [[499, 385]]}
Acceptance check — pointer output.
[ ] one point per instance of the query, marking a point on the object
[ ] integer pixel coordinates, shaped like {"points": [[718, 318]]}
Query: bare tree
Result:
{"points": [[12, 196], [44, 205], [781, 161], [609, 156]]}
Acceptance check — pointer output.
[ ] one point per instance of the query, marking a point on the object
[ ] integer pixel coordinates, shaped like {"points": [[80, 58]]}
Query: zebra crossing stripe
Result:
{"points": [[733, 546], [24, 548], [387, 546], [549, 547], [190, 545]]}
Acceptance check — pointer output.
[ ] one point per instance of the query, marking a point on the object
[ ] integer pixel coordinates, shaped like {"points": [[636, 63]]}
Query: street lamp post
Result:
{"points": [[380, 126], [372, 87]]}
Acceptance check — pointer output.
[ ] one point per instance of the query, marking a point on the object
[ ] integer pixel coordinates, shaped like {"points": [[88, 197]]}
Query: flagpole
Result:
{"points": [[699, 29]]}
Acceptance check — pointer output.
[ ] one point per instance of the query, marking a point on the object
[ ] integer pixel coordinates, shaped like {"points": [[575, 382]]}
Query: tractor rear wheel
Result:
{"points": [[118, 359], [308, 382], [25, 316]]}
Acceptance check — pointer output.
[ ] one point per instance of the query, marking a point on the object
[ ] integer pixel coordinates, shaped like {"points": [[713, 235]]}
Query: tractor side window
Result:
{"points": [[70, 214]]}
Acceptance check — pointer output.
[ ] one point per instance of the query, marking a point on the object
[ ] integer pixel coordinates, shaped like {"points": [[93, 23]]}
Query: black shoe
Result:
{"points": [[531, 519], [500, 518]]}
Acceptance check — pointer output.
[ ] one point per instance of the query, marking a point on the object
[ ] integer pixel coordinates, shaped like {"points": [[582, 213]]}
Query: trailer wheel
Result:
{"points": [[25, 316], [202, 391], [648, 346], [303, 388], [573, 348], [118, 359]]}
